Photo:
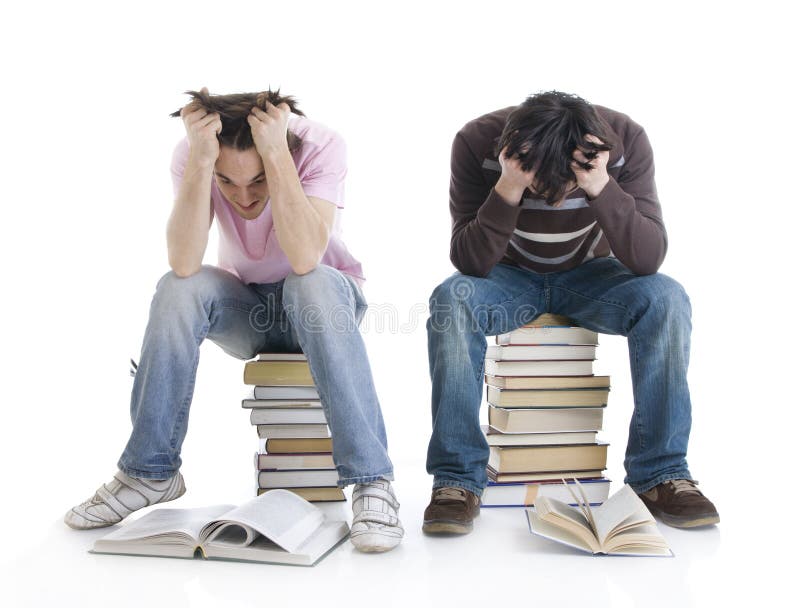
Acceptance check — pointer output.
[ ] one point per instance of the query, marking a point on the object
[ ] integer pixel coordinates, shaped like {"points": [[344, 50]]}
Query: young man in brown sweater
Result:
{"points": [[555, 209]]}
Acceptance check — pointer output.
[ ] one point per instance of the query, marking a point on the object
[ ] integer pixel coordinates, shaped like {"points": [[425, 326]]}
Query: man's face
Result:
{"points": [[241, 179]]}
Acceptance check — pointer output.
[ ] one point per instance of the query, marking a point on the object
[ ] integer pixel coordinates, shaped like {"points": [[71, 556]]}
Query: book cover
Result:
{"points": [[276, 527], [622, 525], [289, 462], [548, 382], [524, 494], [290, 415], [545, 420], [297, 479], [538, 368], [548, 335], [494, 437], [544, 458], [278, 373], [290, 431], [581, 397], [541, 352], [297, 445], [285, 392]]}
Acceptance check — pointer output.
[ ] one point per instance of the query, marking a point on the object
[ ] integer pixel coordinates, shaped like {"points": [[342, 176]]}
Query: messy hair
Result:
{"points": [[233, 110], [544, 131]]}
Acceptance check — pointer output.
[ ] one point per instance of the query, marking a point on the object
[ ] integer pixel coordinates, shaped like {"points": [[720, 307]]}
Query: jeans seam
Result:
{"points": [[187, 400], [602, 300], [659, 480], [450, 483], [346, 481]]}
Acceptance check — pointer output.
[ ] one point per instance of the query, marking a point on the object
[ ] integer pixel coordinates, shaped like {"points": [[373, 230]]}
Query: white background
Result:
{"points": [[86, 89]]}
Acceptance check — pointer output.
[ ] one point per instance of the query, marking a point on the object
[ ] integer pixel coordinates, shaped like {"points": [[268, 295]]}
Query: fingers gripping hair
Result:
{"points": [[545, 130], [234, 109]]}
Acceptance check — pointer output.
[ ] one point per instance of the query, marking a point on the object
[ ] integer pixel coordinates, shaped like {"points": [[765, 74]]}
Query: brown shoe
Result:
{"points": [[451, 511], [679, 503]]}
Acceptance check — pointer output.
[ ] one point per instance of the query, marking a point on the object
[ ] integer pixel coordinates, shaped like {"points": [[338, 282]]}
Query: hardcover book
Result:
{"points": [[620, 526], [524, 494], [548, 382], [538, 368], [545, 420], [544, 458], [276, 527], [582, 397]]}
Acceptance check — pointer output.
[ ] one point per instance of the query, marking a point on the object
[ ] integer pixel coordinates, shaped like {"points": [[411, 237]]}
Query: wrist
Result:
{"points": [[510, 193], [593, 190], [274, 153], [200, 161]]}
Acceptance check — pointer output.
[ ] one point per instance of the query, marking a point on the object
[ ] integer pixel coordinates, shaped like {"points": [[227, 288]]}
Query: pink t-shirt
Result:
{"points": [[249, 248]]}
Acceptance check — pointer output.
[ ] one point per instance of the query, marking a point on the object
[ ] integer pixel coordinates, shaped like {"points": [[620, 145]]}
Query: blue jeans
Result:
{"points": [[317, 313], [653, 311]]}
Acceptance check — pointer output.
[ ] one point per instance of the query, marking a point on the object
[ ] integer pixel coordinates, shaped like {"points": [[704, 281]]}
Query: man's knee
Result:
{"points": [[453, 304], [172, 290], [664, 294], [314, 287]]}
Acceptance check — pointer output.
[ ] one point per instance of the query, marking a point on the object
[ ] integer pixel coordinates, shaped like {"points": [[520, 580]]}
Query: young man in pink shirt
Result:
{"points": [[285, 282]]}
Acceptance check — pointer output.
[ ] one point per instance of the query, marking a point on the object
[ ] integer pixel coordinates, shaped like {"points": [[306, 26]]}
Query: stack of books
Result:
{"points": [[294, 441], [545, 409]]}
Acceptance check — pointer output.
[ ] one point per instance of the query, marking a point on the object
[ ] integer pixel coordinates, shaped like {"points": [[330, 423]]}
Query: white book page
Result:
{"points": [[178, 523], [571, 520], [554, 532], [280, 515], [624, 507]]}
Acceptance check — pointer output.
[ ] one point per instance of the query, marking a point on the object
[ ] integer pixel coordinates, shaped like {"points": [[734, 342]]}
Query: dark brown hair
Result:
{"points": [[233, 110], [545, 130]]}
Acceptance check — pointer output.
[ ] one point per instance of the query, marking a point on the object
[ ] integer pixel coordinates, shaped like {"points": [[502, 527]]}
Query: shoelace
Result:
{"points": [[443, 494], [683, 485]]}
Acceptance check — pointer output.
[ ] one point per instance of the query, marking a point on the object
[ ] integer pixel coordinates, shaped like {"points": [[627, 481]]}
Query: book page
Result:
{"points": [[569, 519], [642, 539], [280, 515], [622, 510], [183, 524]]}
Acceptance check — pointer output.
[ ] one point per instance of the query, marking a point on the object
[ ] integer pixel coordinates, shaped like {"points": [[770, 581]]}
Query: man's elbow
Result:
{"points": [[474, 268], [304, 265], [184, 269]]}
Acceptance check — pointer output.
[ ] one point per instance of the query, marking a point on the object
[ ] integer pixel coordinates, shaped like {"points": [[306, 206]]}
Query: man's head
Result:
{"points": [[239, 170], [544, 131]]}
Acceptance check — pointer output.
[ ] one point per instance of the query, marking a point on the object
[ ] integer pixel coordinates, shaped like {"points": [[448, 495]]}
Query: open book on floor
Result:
{"points": [[620, 526], [276, 527]]}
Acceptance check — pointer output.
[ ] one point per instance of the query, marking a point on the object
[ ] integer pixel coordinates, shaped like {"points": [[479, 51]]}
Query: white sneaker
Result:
{"points": [[376, 527], [120, 497]]}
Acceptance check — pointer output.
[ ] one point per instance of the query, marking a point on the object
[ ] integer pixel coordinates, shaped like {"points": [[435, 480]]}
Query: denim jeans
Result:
{"points": [[317, 313], [653, 311]]}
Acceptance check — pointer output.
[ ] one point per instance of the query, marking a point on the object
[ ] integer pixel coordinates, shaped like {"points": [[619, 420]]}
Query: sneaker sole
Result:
{"points": [[446, 527], [695, 522]]}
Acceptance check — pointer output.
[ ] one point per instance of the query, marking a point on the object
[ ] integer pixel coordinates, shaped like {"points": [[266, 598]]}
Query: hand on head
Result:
{"points": [[269, 127], [202, 128], [590, 168]]}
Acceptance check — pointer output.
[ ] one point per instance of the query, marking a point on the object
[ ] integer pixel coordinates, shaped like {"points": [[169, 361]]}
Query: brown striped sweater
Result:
{"points": [[623, 221]]}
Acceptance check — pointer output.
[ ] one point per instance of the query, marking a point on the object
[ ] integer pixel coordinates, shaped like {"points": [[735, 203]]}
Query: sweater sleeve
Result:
{"points": [[629, 213], [482, 221]]}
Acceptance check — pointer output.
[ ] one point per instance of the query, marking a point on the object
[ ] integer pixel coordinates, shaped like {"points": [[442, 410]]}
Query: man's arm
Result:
{"points": [[483, 219], [627, 209], [303, 224], [190, 220]]}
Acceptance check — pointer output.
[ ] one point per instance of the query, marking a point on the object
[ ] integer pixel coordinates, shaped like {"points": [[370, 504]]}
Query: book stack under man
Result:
{"points": [[545, 409], [294, 441]]}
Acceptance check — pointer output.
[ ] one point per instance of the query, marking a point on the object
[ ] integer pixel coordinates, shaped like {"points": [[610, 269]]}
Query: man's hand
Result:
{"points": [[269, 129], [513, 180], [202, 128], [591, 181]]}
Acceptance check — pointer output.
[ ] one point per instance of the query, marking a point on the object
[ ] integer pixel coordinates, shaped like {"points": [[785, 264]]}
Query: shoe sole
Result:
{"points": [[446, 527], [695, 522]]}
